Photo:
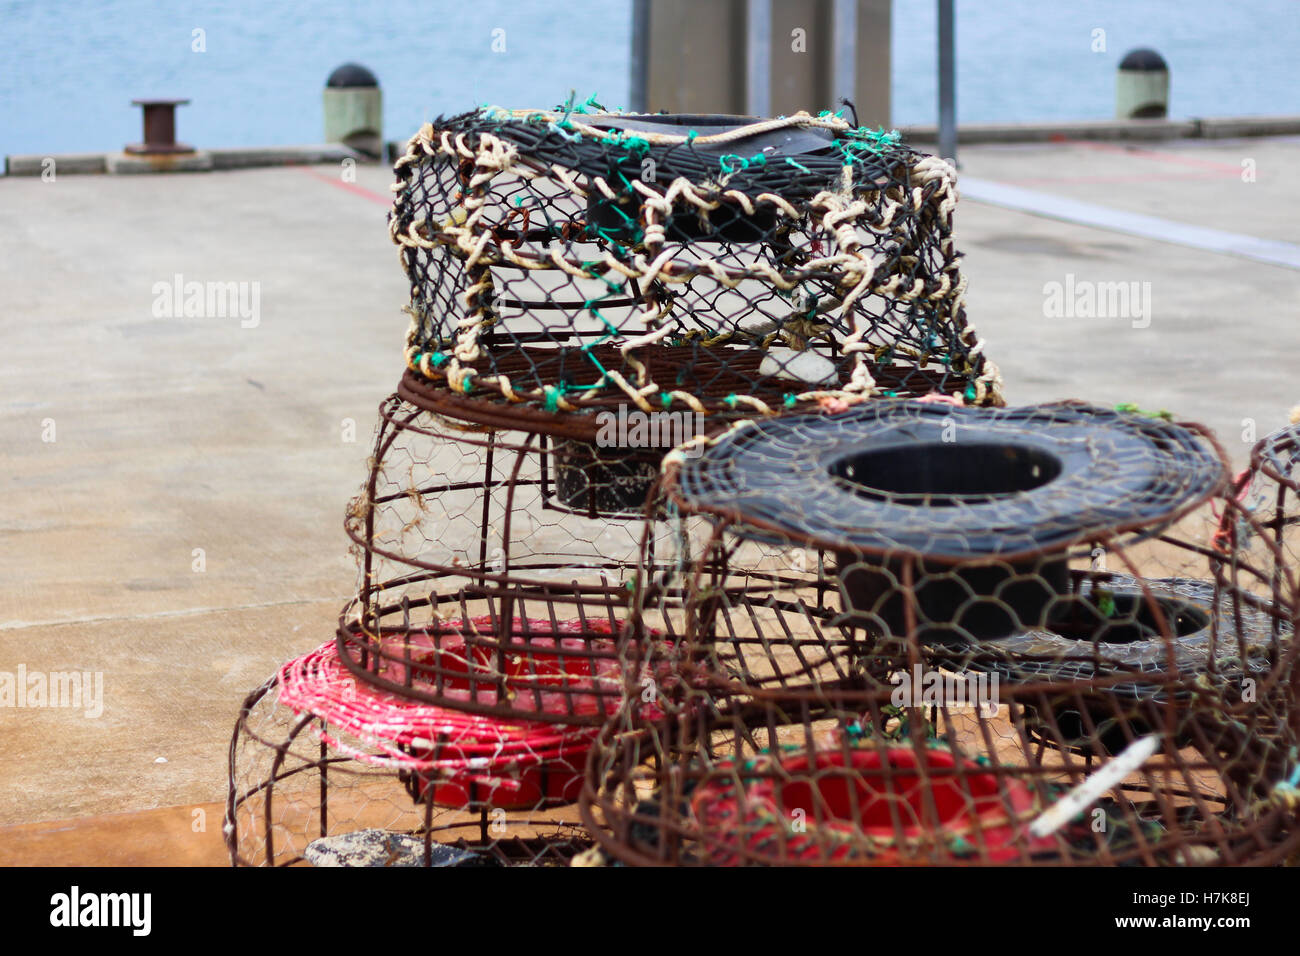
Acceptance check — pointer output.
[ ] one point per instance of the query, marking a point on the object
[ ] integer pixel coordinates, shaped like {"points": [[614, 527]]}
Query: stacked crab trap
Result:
{"points": [[697, 532], [981, 636], [589, 290]]}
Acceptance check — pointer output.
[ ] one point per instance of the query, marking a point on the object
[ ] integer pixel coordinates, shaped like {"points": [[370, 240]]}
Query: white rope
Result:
{"points": [[838, 214]]}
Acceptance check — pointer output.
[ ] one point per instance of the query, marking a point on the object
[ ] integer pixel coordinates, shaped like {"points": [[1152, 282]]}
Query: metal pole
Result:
{"points": [[947, 82], [844, 80], [758, 78], [640, 59]]}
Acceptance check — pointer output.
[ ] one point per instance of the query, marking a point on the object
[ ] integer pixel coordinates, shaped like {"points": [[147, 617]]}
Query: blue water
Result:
{"points": [[1021, 61], [68, 70]]}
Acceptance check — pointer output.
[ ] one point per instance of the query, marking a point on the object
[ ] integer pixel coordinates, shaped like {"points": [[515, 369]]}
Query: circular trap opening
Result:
{"points": [[944, 473], [1118, 618]]}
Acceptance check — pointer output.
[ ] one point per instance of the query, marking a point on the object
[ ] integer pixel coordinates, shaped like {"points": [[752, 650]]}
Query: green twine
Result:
{"points": [[559, 130], [881, 138], [731, 163], [610, 330], [627, 140], [617, 247], [730, 400], [565, 123], [552, 398], [1131, 409], [960, 846], [437, 358], [1105, 603], [789, 400], [864, 140], [587, 105]]}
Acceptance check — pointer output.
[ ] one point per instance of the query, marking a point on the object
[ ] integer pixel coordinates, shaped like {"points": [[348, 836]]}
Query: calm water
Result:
{"points": [[69, 69]]}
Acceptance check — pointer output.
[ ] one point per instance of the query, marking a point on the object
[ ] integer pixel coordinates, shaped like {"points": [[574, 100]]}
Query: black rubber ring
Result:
{"points": [[1099, 472], [1129, 640]]}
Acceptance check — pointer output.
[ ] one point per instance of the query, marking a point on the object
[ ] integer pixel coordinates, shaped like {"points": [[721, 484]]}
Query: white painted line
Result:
{"points": [[1049, 206], [155, 615], [1093, 786]]}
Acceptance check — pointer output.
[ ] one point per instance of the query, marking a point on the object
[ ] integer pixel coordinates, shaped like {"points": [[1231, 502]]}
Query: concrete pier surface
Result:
{"points": [[175, 486]]}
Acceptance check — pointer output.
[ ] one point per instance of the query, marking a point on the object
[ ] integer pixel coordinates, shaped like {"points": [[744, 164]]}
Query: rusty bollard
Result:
{"points": [[159, 129]]}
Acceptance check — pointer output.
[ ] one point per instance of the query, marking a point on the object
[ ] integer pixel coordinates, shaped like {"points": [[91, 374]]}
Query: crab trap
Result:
{"points": [[573, 261], [982, 636], [329, 771], [697, 532], [1269, 490], [449, 721], [489, 584]]}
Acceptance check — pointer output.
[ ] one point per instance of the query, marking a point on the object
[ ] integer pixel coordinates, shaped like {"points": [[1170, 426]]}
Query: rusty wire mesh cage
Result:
{"points": [[449, 721], [575, 259], [496, 566], [1269, 489], [329, 771], [974, 636]]}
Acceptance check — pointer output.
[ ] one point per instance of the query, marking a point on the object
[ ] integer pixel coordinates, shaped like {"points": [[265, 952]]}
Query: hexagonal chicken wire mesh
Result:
{"points": [[1032, 645], [497, 564], [329, 771], [1269, 489]]}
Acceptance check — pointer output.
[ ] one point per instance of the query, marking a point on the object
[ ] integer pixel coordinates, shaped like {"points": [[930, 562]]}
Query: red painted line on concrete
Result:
{"points": [[1152, 154], [353, 188]]}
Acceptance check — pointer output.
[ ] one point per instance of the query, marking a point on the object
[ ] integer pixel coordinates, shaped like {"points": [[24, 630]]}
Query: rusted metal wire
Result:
{"points": [[476, 663], [486, 583], [805, 728], [298, 781], [829, 638]]}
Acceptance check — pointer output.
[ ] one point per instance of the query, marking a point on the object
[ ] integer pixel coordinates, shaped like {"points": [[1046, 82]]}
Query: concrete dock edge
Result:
{"points": [[1134, 130], [200, 161]]}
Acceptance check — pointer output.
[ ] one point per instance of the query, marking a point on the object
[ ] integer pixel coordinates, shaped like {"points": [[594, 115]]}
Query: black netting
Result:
{"points": [[576, 261]]}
